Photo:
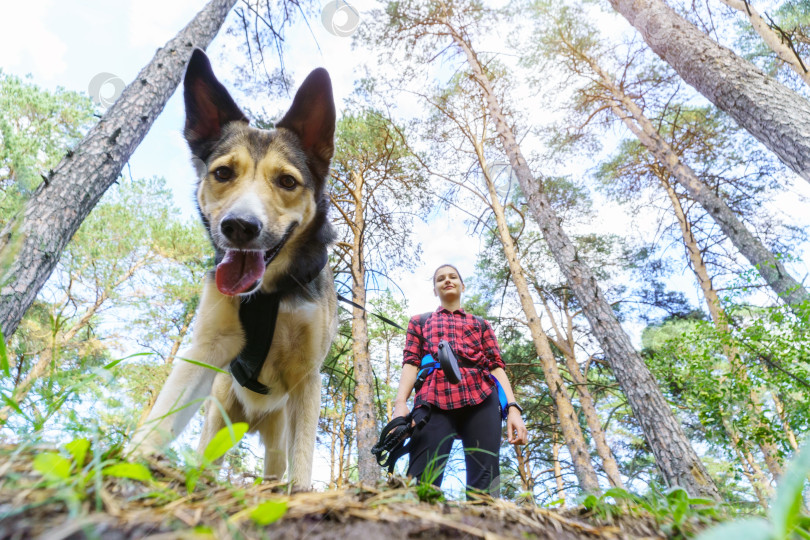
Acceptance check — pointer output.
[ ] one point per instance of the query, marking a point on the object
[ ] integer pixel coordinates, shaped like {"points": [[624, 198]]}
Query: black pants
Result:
{"points": [[478, 426]]}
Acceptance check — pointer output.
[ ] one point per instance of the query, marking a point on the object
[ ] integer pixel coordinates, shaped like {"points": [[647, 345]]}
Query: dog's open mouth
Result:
{"points": [[240, 270]]}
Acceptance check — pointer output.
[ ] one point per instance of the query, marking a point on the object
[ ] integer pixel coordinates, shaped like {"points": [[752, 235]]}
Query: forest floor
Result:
{"points": [[81, 505]]}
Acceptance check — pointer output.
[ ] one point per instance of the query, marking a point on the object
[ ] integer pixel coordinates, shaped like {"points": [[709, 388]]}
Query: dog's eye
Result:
{"points": [[223, 174], [287, 182]]}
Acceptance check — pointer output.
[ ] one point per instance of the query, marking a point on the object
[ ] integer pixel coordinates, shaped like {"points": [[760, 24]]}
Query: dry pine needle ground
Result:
{"points": [[126, 509]]}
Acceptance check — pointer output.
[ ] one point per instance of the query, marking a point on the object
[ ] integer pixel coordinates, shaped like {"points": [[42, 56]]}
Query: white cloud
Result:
{"points": [[28, 45], [154, 22], [444, 239]]}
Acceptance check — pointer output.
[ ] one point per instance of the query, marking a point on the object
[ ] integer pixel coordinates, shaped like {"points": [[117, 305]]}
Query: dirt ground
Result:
{"points": [[115, 508]]}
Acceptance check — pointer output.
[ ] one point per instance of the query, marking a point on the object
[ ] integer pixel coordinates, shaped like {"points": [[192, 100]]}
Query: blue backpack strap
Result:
{"points": [[501, 393], [501, 397]]}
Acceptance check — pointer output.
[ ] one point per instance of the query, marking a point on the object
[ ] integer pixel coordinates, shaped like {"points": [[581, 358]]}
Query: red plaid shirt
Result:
{"points": [[473, 344]]}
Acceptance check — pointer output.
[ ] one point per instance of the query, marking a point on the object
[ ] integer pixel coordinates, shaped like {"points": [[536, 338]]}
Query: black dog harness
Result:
{"points": [[258, 314]]}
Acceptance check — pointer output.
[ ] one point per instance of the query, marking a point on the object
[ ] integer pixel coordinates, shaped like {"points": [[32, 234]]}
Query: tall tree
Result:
{"points": [[374, 180], [775, 115], [764, 437], [449, 24], [626, 109], [388, 337], [462, 115], [31, 244], [119, 242]]}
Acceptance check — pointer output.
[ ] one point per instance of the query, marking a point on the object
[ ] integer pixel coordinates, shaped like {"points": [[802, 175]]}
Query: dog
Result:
{"points": [[262, 197]]}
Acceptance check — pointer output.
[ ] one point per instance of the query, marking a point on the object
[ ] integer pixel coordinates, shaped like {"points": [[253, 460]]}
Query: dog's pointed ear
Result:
{"points": [[312, 117], [209, 106]]}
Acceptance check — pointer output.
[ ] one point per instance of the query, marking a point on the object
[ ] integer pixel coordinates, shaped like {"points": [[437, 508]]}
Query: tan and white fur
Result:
{"points": [[261, 195]]}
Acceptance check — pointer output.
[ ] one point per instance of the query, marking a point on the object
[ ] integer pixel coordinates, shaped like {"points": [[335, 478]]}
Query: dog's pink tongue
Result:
{"points": [[239, 271]]}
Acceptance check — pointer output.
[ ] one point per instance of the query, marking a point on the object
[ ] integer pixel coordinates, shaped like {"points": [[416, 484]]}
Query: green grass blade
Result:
{"points": [[225, 439], [746, 529], [203, 364], [4, 365], [787, 504], [134, 471], [14, 405], [268, 512]]}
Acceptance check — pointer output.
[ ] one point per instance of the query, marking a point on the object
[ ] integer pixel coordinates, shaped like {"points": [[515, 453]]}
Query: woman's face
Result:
{"points": [[447, 284]]}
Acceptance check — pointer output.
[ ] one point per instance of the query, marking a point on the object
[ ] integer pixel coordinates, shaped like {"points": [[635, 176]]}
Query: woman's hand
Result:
{"points": [[401, 409], [516, 431]]}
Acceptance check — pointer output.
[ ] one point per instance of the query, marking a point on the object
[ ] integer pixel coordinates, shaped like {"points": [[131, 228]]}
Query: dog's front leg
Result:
{"points": [[305, 408], [217, 339]]}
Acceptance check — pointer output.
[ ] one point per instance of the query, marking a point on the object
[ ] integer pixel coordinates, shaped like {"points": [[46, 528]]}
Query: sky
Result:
{"points": [[69, 44], [75, 44]]}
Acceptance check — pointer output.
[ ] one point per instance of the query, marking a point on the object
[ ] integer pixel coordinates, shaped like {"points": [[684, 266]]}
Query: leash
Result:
{"points": [[383, 319]]}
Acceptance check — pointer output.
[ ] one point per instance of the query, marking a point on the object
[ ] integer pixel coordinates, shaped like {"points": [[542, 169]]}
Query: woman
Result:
{"points": [[469, 410]]}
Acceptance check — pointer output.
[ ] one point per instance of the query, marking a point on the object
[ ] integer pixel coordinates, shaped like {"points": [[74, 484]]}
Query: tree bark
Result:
{"points": [[555, 462], [676, 459], [567, 416], [768, 266], [565, 342], [345, 442], [775, 115], [780, 411], [31, 244], [365, 412]]}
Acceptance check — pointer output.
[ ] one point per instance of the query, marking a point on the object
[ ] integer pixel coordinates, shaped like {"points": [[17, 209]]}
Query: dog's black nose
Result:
{"points": [[240, 231]]}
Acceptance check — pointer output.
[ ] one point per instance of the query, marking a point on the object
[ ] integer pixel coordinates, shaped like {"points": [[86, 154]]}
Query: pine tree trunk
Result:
{"points": [[555, 463], [720, 320], [780, 412], [31, 244], [768, 266], [389, 404], [775, 115], [675, 457], [567, 416], [566, 344], [329, 428], [365, 412], [524, 468], [751, 469], [345, 443]]}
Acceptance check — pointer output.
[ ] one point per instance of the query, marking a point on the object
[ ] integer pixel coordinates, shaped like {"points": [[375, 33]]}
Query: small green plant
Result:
{"points": [[73, 469], [225, 439], [268, 512], [425, 490], [785, 520], [671, 509]]}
